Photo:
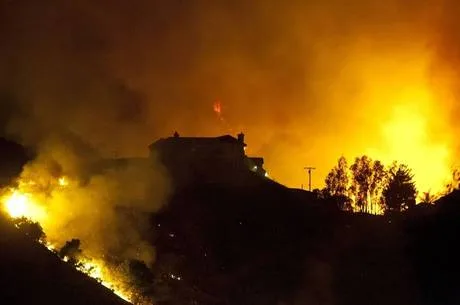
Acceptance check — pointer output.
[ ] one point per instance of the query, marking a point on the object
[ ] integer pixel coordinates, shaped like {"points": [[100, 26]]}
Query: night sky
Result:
{"points": [[306, 81]]}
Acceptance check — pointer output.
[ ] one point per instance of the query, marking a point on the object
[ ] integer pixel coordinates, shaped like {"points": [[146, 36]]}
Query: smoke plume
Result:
{"points": [[307, 81], [107, 208]]}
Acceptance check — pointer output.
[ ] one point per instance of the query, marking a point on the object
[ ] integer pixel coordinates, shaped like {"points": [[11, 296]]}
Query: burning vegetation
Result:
{"points": [[96, 220], [369, 186], [28, 208], [308, 80]]}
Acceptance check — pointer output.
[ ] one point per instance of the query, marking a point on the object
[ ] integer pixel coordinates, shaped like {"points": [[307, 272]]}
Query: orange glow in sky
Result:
{"points": [[393, 114]]}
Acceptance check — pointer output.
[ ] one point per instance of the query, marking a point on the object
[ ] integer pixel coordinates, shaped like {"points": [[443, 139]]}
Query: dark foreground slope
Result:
{"points": [[30, 274], [434, 249], [252, 241], [266, 244]]}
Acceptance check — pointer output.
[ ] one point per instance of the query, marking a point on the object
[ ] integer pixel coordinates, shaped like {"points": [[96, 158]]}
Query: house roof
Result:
{"points": [[196, 140]]}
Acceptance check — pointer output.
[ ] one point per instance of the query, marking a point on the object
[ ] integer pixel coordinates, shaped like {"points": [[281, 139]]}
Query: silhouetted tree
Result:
{"points": [[337, 181], [319, 194], [142, 276], [141, 279], [362, 184], [428, 198], [400, 193], [71, 251], [368, 180], [342, 202], [361, 171], [338, 185], [378, 181], [32, 229]]}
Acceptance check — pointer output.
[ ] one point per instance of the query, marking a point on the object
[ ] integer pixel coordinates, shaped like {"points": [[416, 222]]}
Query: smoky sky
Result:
{"points": [[120, 74]]}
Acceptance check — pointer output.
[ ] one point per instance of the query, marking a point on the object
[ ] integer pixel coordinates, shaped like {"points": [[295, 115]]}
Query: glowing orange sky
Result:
{"points": [[306, 81]]}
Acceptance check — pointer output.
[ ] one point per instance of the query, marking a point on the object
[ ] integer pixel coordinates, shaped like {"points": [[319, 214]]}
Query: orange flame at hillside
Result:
{"points": [[18, 203], [105, 276]]}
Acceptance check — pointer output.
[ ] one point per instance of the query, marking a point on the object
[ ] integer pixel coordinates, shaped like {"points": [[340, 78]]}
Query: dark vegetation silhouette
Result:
{"points": [[400, 192], [367, 179], [31, 274], [428, 198], [261, 243], [32, 229], [71, 251], [368, 186]]}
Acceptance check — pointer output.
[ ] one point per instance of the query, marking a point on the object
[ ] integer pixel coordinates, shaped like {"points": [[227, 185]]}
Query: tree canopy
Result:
{"points": [[369, 186], [400, 192]]}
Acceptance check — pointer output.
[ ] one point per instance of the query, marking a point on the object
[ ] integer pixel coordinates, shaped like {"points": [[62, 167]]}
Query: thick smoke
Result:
{"points": [[306, 81], [106, 207]]}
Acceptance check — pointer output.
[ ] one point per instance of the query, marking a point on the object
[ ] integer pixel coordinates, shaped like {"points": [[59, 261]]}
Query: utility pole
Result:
{"points": [[309, 169]]}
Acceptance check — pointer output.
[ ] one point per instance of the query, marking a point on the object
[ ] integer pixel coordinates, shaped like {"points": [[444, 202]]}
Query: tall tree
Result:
{"points": [[368, 180], [337, 181], [361, 182], [360, 186], [400, 193], [378, 181], [338, 184]]}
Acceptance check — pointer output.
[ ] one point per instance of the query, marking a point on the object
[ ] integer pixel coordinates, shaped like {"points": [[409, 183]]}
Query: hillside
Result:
{"points": [[31, 274], [254, 241], [269, 245], [273, 245]]}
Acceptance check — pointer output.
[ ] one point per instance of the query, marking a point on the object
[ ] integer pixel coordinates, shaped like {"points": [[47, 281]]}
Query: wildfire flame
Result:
{"points": [[217, 107], [63, 181], [18, 203], [103, 275]]}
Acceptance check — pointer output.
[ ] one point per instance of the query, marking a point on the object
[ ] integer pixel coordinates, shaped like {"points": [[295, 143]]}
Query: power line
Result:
{"points": [[309, 170]]}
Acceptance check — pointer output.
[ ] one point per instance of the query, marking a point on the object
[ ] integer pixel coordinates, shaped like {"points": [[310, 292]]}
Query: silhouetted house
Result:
{"points": [[206, 158]]}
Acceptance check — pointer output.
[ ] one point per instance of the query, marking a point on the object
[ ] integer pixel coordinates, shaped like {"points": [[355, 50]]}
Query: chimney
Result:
{"points": [[241, 137]]}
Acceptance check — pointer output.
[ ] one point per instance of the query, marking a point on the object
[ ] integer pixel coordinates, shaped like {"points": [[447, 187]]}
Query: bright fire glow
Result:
{"points": [[410, 115], [98, 271], [217, 107], [385, 103], [407, 137], [429, 161], [63, 181], [31, 205], [18, 204]]}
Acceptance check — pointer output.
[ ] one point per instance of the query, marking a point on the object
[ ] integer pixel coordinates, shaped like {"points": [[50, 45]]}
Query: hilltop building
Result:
{"points": [[207, 158]]}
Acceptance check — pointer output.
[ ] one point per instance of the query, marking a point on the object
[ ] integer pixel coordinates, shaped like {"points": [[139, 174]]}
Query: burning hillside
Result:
{"points": [[105, 210], [20, 203]]}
